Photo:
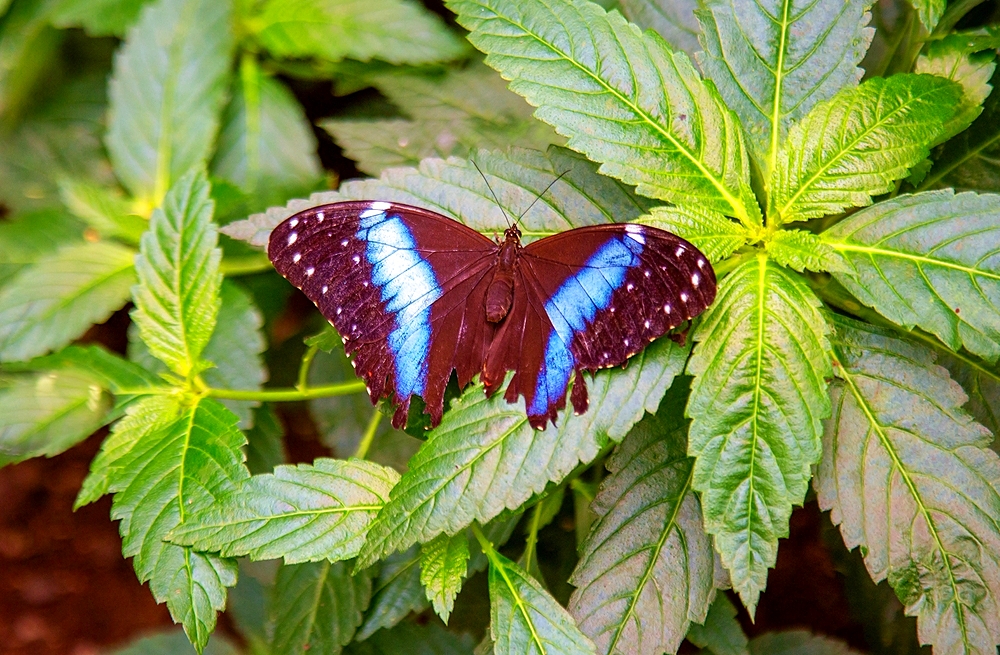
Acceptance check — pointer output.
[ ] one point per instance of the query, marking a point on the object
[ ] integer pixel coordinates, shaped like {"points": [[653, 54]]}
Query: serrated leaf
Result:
{"points": [[397, 591], [49, 413], [177, 297], [412, 639], [266, 145], [756, 404], [930, 259], [720, 633], [453, 187], [621, 97], [301, 513], [908, 476], [103, 209], [803, 250], [485, 457], [396, 31], [982, 384], [443, 564], [115, 374], [674, 20], [930, 12], [47, 305], [712, 233], [453, 114], [317, 607], [167, 88], [647, 568], [172, 471], [888, 126], [773, 60], [950, 60], [524, 618], [798, 642], [97, 17]]}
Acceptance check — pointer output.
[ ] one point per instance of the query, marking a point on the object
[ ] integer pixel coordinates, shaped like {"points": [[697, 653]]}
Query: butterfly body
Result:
{"points": [[416, 295]]}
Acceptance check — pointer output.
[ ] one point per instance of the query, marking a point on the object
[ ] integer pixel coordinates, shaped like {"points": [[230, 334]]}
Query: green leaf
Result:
{"points": [[798, 642], [265, 441], [167, 88], [716, 236], [720, 633], [802, 250], [412, 639], [97, 17], [248, 608], [930, 259], [47, 305], [674, 20], [397, 591], [27, 237], [888, 126], [524, 618], [647, 568], [621, 97], [982, 383], [115, 374], [317, 607], [485, 457], [773, 61], [301, 513], [453, 187], [177, 298], [171, 472], [174, 642], [757, 402], [443, 564], [453, 114], [266, 145], [49, 413], [949, 59], [930, 12], [28, 48], [103, 209], [909, 477], [396, 31]]}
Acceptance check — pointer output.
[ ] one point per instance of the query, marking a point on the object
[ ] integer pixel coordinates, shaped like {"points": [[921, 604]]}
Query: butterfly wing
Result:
{"points": [[405, 287], [595, 296]]}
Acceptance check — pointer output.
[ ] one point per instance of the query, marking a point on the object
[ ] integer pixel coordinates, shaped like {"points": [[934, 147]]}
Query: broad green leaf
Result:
{"points": [[167, 88], [757, 402], [47, 305], [453, 187], [103, 209], [171, 472], [949, 59], [720, 633], [248, 608], [443, 564], [396, 31], [674, 20], [647, 569], [177, 297], [621, 97], [48, 413], [301, 513], [28, 49], [909, 477], [174, 642], [930, 12], [413, 639], [857, 144], [265, 441], [774, 60], [108, 369], [266, 145], [798, 642], [453, 114], [982, 384], [27, 237], [802, 250], [485, 457], [524, 618], [396, 592], [97, 17], [716, 236], [930, 259], [317, 607]]}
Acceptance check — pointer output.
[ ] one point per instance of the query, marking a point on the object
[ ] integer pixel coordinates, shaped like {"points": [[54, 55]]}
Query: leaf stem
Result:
{"points": [[303, 379], [532, 539], [484, 543], [288, 395], [245, 264], [369, 435]]}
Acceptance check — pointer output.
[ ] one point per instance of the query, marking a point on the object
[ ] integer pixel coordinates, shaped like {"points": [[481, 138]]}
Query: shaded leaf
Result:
{"points": [[29, 236], [757, 402], [889, 125], [412, 639], [802, 250], [798, 642], [166, 90], [908, 477], [443, 564], [949, 59], [720, 633], [28, 47], [97, 17], [103, 209], [982, 384], [174, 642], [177, 298], [317, 607], [108, 369], [396, 592], [47, 305], [485, 457], [712, 233], [265, 442], [774, 60], [620, 96], [930, 259], [674, 20], [930, 12], [301, 513]]}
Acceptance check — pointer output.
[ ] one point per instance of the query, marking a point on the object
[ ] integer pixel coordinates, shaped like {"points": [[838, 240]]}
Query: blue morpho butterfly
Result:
{"points": [[416, 295]]}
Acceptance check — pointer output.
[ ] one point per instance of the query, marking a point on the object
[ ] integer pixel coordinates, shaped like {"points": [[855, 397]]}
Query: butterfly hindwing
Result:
{"points": [[400, 284]]}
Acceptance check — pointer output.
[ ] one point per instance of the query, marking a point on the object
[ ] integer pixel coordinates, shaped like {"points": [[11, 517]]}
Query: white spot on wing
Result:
{"points": [[293, 237], [296, 257], [339, 309], [368, 213], [695, 279], [701, 263], [344, 243], [319, 215], [626, 342], [679, 251], [684, 297], [635, 232], [293, 222], [380, 206], [666, 308], [357, 259], [647, 325], [630, 287], [310, 271], [325, 288]]}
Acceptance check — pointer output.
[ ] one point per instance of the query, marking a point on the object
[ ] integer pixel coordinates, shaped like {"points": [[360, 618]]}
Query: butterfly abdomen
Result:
{"points": [[500, 294]]}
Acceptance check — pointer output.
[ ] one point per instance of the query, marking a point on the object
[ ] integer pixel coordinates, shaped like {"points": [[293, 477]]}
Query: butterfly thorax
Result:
{"points": [[500, 294]]}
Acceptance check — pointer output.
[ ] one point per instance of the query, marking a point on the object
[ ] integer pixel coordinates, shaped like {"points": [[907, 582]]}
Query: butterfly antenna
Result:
{"points": [[539, 196], [506, 217]]}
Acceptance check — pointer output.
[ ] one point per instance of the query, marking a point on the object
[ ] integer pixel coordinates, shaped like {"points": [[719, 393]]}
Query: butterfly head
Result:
{"points": [[512, 233]]}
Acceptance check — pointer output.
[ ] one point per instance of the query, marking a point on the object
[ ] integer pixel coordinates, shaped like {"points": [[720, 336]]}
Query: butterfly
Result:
{"points": [[416, 295]]}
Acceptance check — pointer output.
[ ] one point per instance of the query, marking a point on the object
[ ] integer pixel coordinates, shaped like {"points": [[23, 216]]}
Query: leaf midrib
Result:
{"points": [[898, 254], [289, 515], [779, 78], [501, 568]]}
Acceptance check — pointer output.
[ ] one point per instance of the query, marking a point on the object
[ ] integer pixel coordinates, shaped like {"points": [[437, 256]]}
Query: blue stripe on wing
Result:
{"points": [[408, 287], [574, 305]]}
